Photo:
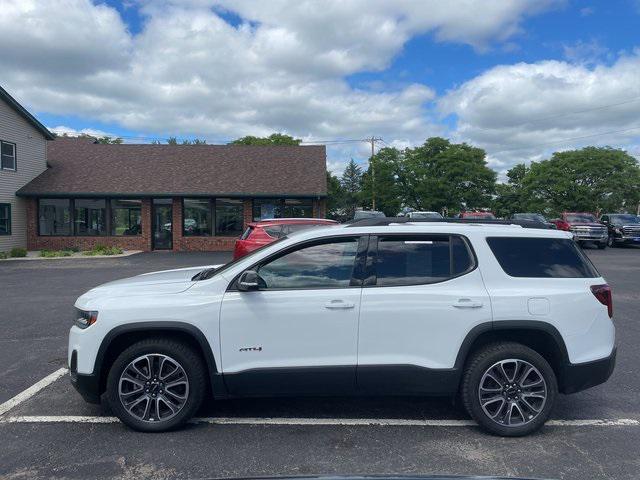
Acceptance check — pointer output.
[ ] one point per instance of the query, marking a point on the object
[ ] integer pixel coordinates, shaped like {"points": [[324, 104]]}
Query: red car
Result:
{"points": [[584, 226], [480, 215], [264, 232]]}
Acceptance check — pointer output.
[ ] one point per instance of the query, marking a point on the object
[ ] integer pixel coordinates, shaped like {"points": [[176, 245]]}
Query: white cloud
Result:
{"points": [[522, 112]]}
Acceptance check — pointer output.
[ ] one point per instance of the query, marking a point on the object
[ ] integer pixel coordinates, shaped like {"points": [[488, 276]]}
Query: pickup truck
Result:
{"points": [[584, 226], [624, 228]]}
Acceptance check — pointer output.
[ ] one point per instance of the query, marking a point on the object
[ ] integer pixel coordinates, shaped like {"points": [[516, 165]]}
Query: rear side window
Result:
{"points": [[420, 259], [541, 258], [274, 231]]}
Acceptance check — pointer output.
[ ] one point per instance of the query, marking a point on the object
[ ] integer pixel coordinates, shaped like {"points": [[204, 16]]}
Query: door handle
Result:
{"points": [[467, 303], [338, 304]]}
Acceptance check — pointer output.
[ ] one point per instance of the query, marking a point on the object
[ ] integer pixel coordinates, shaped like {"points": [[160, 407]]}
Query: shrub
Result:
{"points": [[18, 252], [55, 253], [102, 250], [3, 255], [74, 249]]}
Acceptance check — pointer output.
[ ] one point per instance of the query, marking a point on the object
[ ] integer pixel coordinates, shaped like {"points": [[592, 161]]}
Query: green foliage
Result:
{"points": [[55, 253], [4, 255], [335, 197], [273, 139], [18, 252], [195, 141], [103, 250], [109, 140], [381, 181], [351, 184]]}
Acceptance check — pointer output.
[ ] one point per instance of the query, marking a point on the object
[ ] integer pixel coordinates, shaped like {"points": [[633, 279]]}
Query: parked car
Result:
{"points": [[481, 215], [362, 214], [584, 226], [423, 215], [509, 317], [534, 217], [622, 228], [258, 234]]}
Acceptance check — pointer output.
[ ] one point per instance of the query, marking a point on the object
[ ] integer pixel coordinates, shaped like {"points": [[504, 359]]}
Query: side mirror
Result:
{"points": [[249, 280]]}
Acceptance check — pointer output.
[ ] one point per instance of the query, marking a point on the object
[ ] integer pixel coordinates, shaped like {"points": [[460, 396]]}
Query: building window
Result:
{"points": [[5, 219], [265, 208], [90, 217], [54, 216], [7, 155], [126, 217], [229, 217], [196, 217]]}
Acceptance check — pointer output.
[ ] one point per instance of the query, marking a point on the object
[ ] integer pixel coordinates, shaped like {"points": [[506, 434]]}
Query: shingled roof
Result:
{"points": [[78, 167]]}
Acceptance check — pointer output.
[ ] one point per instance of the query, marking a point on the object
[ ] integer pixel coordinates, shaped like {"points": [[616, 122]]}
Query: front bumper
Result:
{"points": [[87, 385], [575, 377], [627, 239]]}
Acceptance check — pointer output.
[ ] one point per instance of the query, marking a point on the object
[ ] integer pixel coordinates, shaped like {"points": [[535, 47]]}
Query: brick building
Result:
{"points": [[172, 197]]}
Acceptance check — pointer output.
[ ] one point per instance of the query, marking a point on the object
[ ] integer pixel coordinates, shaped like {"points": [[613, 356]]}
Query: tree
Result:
{"points": [[172, 141], [513, 197], [273, 139], [335, 198], [381, 180], [109, 140], [351, 184], [443, 175], [592, 179]]}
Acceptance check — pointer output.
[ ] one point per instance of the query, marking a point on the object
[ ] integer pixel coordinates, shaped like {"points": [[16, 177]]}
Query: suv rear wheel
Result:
{"points": [[156, 385], [509, 389]]}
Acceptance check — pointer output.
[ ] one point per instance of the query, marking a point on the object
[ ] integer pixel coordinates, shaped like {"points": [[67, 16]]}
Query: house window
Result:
{"points": [[5, 219], [54, 216], [126, 217], [264, 208], [196, 217], [90, 217], [229, 217], [7, 155]]}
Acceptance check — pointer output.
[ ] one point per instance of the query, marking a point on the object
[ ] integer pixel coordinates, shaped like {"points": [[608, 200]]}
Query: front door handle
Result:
{"points": [[467, 303], [338, 304]]}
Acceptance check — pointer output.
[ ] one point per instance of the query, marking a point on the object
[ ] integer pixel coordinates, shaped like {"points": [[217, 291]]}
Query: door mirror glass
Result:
{"points": [[250, 280]]}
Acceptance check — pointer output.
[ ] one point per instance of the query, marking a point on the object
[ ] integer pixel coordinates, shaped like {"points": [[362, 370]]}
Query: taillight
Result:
{"points": [[563, 226], [603, 294]]}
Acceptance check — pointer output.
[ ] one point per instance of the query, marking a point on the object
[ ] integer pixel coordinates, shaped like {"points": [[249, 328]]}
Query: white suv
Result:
{"points": [[505, 316]]}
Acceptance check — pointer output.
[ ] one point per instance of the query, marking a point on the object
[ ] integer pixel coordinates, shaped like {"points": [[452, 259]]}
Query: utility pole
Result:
{"points": [[373, 141]]}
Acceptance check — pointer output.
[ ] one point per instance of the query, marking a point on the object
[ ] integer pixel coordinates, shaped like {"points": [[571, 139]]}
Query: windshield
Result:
{"points": [[536, 217], [479, 215], [359, 215], [624, 219], [425, 215], [580, 218]]}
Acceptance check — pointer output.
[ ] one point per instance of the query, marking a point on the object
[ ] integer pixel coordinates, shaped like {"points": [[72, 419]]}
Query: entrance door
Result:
{"points": [[162, 223]]}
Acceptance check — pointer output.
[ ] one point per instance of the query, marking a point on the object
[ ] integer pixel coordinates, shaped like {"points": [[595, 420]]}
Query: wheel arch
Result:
{"points": [[123, 336]]}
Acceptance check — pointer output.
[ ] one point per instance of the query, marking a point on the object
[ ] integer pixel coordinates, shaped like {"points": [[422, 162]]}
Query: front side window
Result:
{"points": [[541, 257], [7, 155], [126, 217], [229, 217], [324, 265], [196, 218], [54, 216], [90, 217], [5, 219]]}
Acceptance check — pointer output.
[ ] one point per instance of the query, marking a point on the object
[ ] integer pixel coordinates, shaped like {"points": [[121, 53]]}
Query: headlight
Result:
{"points": [[85, 318], [617, 230]]}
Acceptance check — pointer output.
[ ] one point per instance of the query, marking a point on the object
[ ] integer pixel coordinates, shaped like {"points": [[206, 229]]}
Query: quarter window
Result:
{"points": [[324, 265], [7, 156], [5, 219]]}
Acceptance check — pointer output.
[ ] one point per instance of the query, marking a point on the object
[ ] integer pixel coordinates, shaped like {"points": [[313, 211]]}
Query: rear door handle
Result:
{"points": [[467, 303], [338, 304]]}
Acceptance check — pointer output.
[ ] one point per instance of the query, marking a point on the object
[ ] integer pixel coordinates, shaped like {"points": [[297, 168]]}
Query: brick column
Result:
{"points": [[146, 224], [177, 224], [247, 212]]}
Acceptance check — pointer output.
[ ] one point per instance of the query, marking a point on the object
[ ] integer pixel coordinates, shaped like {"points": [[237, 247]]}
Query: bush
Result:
{"points": [[74, 249], [102, 250], [55, 253], [3, 255], [18, 252]]}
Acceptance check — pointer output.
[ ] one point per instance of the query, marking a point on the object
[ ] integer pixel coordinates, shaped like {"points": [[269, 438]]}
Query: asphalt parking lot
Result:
{"points": [[595, 434]]}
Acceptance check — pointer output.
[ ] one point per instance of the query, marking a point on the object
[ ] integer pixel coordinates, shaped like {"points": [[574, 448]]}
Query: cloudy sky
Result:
{"points": [[518, 78]]}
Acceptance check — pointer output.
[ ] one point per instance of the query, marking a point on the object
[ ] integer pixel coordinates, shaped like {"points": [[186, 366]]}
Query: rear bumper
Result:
{"points": [[576, 377]]}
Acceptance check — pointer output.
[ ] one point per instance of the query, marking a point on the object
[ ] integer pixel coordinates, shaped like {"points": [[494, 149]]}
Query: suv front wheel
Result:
{"points": [[509, 389], [156, 385]]}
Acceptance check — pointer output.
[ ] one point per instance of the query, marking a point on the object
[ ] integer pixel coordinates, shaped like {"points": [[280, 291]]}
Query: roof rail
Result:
{"points": [[380, 222]]}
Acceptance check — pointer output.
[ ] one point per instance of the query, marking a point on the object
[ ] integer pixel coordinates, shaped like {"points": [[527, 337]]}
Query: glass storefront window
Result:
{"points": [[90, 217], [264, 208], [126, 217], [196, 218], [295, 208], [229, 217], [54, 216]]}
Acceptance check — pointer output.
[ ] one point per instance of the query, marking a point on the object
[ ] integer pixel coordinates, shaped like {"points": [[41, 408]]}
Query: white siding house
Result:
{"points": [[23, 156]]}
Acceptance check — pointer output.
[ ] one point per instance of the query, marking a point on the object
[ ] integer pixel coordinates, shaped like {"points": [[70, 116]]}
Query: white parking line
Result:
{"points": [[392, 422], [31, 391]]}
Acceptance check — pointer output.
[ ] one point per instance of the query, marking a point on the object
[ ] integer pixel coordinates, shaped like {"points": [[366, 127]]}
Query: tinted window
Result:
{"points": [[326, 265], [461, 256], [412, 260], [541, 258], [5, 219], [229, 217]]}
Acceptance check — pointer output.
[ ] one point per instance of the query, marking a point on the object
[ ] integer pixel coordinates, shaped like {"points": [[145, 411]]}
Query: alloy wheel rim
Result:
{"points": [[153, 388], [512, 392]]}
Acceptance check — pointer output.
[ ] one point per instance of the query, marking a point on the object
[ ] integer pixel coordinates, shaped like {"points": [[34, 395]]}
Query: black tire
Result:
{"points": [[611, 242], [185, 356], [602, 245], [480, 362]]}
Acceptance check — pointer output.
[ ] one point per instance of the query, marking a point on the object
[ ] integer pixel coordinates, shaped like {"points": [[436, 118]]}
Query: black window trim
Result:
{"points": [[371, 278], [15, 157], [8, 205], [357, 272]]}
